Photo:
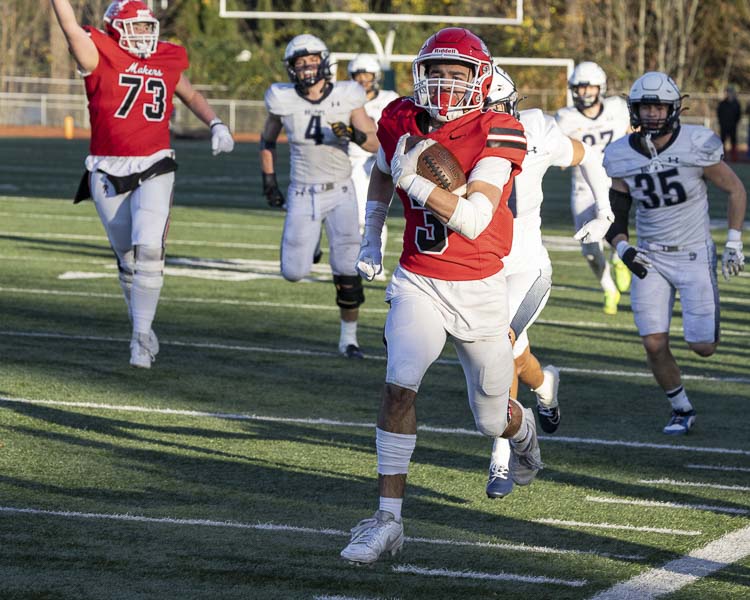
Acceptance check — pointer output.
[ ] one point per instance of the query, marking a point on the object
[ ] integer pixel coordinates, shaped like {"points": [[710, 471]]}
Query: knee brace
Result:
{"points": [[149, 266], [349, 291], [592, 251], [126, 268]]}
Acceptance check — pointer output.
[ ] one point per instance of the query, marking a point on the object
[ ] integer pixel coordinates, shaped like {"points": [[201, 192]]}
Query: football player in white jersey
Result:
{"points": [[322, 120], [663, 169], [596, 121], [365, 70], [528, 269]]}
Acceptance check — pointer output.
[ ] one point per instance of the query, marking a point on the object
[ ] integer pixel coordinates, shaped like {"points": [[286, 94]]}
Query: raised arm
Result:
{"points": [[80, 44]]}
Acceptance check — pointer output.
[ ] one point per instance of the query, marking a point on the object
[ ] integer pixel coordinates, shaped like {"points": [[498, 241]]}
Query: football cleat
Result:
{"points": [[140, 355], [352, 351], [500, 483], [549, 417], [525, 457], [547, 407], [611, 300], [374, 536], [680, 422], [152, 344], [623, 276]]}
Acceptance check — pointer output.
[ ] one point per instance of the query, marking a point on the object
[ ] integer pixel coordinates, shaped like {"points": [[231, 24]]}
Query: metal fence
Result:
{"points": [[35, 102]]}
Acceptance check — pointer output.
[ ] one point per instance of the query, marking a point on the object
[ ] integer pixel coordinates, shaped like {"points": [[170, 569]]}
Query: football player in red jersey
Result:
{"points": [[131, 78], [450, 279]]}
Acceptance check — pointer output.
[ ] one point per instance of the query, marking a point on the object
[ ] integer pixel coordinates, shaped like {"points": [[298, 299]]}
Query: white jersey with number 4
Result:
{"points": [[609, 125], [317, 154], [668, 190], [547, 146]]}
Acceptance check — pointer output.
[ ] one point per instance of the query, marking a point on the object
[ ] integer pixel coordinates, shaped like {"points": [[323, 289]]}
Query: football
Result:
{"points": [[439, 165]]}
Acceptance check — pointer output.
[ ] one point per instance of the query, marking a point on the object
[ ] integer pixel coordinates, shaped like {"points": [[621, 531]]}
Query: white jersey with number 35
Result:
{"points": [[669, 190], [317, 154]]}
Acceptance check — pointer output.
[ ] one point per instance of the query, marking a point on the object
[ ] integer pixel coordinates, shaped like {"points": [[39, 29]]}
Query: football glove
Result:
{"points": [[271, 191], [636, 259], [221, 138], [732, 261], [404, 169], [349, 132], [594, 231]]}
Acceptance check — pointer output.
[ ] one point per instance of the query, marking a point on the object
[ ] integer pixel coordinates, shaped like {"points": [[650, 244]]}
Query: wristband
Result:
{"points": [[622, 247], [215, 121], [734, 235]]}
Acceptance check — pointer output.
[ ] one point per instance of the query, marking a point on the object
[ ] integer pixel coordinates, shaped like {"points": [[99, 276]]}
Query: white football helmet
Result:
{"points": [[305, 45], [587, 73], [503, 96], [655, 87], [438, 95], [366, 63], [120, 20]]}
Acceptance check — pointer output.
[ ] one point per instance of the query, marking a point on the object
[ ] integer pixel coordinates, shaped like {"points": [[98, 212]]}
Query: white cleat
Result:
{"points": [[140, 355], [374, 536]]}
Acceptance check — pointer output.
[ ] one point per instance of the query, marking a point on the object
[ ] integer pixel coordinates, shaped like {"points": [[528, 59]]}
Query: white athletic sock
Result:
{"points": [[348, 335], [500, 452], [392, 505], [143, 302], [679, 400], [126, 289]]}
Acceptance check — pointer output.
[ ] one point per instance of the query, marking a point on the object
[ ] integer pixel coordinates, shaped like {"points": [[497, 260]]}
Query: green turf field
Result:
{"points": [[236, 466]]}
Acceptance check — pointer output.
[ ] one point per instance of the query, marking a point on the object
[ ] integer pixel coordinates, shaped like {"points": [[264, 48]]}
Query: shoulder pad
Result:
{"points": [[275, 96], [620, 159], [706, 146], [534, 121]]}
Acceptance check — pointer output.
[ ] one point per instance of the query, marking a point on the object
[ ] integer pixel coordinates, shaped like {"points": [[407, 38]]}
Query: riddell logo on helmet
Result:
{"points": [[445, 51], [144, 13]]}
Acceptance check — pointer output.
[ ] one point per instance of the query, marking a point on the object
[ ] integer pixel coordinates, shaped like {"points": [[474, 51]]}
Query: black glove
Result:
{"points": [[349, 132], [635, 259], [271, 191]]}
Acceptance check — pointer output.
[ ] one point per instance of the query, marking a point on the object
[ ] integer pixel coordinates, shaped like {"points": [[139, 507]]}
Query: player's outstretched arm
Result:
{"points": [[271, 191], [590, 160], [362, 122], [379, 194], [221, 138], [723, 177], [81, 47]]}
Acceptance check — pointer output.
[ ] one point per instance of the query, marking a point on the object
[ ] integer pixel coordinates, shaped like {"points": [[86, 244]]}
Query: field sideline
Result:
{"points": [[236, 466]]}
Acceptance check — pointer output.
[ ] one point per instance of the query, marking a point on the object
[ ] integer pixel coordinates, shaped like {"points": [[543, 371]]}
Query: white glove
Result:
{"points": [[404, 169], [370, 259], [732, 261], [221, 139], [595, 230]]}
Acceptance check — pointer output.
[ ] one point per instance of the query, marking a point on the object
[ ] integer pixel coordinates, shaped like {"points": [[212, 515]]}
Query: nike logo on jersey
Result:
{"points": [[455, 137], [144, 70]]}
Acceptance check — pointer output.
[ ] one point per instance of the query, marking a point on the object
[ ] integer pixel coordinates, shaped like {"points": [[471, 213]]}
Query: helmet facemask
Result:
{"points": [[447, 99], [503, 96], [654, 127], [132, 24], [585, 101]]}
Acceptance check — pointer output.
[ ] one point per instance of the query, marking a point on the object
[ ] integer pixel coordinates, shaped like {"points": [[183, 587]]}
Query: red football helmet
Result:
{"points": [[448, 99], [123, 20]]}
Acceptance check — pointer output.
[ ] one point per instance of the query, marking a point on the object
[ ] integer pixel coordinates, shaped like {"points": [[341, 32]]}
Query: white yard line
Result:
{"points": [[300, 352], [715, 486], [678, 573], [583, 525], [414, 570], [359, 424], [659, 504], [718, 468], [275, 527]]}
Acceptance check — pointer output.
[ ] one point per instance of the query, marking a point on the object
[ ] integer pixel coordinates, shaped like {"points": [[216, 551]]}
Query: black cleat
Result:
{"points": [[549, 418], [317, 256], [353, 351]]}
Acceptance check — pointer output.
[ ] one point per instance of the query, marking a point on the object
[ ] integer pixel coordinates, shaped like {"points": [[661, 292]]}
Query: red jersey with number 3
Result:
{"points": [[130, 98], [432, 249]]}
